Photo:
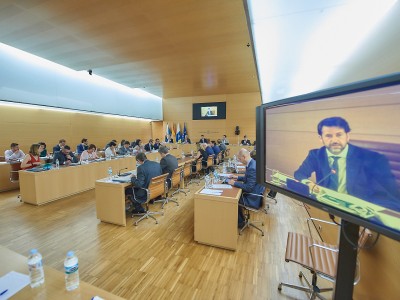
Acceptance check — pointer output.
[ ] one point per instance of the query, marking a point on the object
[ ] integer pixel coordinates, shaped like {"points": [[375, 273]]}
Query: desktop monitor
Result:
{"points": [[338, 150]]}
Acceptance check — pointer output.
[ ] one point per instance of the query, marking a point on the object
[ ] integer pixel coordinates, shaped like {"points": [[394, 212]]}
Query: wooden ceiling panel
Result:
{"points": [[175, 48]]}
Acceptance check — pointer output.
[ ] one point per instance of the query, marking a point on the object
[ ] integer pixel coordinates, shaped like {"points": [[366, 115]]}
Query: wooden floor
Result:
{"points": [[152, 261]]}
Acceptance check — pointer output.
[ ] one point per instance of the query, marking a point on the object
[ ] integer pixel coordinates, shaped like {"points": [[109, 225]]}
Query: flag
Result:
{"points": [[184, 132], [173, 131], [178, 134], [167, 132]]}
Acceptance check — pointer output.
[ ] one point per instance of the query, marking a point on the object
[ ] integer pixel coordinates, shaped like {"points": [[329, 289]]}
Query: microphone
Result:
{"points": [[119, 172], [332, 172]]}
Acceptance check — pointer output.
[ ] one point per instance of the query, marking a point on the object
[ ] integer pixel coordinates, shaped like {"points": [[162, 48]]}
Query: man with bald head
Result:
{"points": [[247, 183]]}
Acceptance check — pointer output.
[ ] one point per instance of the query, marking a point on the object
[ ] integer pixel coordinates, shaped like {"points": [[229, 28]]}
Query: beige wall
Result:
{"points": [[240, 111], [31, 125]]}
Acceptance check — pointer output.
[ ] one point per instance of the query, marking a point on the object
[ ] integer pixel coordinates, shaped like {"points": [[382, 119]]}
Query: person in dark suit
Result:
{"points": [[186, 140], [248, 184], [349, 169], [245, 141], [202, 139], [145, 172], [65, 156], [157, 144], [149, 146], [82, 146], [168, 162], [59, 146]]}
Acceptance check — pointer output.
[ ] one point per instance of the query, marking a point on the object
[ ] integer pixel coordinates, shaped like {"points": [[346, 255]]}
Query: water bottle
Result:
{"points": [[36, 273], [57, 164], [183, 155], [157, 159], [71, 268], [110, 173], [224, 168]]}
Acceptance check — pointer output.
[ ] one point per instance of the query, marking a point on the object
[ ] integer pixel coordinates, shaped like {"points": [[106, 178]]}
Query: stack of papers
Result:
{"points": [[211, 192], [221, 186], [12, 282]]}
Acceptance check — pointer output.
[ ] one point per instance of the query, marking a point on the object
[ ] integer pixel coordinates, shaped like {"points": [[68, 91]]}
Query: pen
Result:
{"points": [[3, 292]]}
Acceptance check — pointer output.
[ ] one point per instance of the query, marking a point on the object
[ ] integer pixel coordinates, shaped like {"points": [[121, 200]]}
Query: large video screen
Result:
{"points": [[340, 152], [211, 110]]}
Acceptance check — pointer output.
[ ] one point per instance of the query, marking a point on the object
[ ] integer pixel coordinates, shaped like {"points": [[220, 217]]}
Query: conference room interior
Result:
{"points": [[188, 54]]}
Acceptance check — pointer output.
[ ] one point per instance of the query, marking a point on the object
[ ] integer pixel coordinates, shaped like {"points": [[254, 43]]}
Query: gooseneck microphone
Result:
{"points": [[332, 172], [119, 172]]}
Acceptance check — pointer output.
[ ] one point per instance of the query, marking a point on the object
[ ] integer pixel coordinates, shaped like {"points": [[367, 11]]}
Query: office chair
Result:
{"points": [[14, 175], [247, 209], [157, 187], [175, 181], [196, 173], [318, 257], [179, 188], [187, 173]]}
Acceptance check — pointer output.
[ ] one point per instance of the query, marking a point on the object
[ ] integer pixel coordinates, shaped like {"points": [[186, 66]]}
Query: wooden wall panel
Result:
{"points": [[240, 111], [31, 125]]}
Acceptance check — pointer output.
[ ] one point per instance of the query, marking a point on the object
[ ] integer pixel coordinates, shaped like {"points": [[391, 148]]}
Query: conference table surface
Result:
{"points": [[54, 286]]}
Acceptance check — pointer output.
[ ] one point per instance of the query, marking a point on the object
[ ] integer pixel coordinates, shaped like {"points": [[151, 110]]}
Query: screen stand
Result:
{"points": [[347, 260]]}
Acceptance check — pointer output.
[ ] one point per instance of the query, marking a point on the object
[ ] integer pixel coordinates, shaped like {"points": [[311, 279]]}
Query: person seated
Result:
{"points": [[202, 139], [44, 151], [253, 154], [210, 150], [32, 159], [157, 144], [89, 154], [59, 146], [146, 170], [245, 141], [108, 144], [248, 184], [82, 146], [203, 155], [14, 153], [133, 144], [168, 162], [169, 139], [149, 146], [221, 145], [65, 156], [186, 140], [224, 140], [121, 145], [110, 150], [215, 148], [139, 148], [126, 149]]}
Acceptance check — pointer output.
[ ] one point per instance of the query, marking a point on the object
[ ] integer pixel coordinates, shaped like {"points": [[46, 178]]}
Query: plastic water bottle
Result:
{"points": [[110, 173], [57, 164], [183, 155], [36, 273], [71, 268]]}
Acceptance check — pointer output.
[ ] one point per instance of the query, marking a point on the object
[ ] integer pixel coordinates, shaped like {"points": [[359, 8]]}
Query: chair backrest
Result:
{"points": [[2, 158], [187, 169], [210, 161], [14, 175], [176, 176], [157, 186]]}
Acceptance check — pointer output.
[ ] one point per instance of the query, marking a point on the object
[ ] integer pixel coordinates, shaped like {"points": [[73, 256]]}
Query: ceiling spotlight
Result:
{"points": [[90, 71]]}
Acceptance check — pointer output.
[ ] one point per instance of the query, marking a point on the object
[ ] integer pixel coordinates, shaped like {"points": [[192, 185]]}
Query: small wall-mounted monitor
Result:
{"points": [[337, 149], [211, 110]]}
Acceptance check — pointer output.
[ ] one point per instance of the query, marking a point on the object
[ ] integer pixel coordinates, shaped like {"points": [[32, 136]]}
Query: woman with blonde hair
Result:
{"points": [[32, 159]]}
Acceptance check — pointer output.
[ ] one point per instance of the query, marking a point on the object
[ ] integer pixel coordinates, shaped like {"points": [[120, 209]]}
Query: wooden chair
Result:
{"points": [[180, 187], [175, 182], [187, 173], [157, 187], [318, 257]]}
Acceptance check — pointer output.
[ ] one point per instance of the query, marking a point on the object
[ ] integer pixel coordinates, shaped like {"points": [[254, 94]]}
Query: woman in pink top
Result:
{"points": [[32, 159], [89, 154]]}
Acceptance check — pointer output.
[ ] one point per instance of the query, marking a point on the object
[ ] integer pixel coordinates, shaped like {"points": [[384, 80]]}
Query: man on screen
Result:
{"points": [[349, 169], [209, 112]]}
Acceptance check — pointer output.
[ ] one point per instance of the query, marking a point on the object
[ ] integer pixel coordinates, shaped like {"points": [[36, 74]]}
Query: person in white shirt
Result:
{"points": [[224, 140], [14, 153], [110, 151], [89, 154]]}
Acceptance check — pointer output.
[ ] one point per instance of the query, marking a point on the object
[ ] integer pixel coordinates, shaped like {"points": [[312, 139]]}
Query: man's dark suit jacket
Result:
{"points": [[245, 142], [81, 147], [62, 158], [171, 140], [168, 164], [56, 148], [368, 175], [203, 140], [145, 173], [249, 184], [156, 146], [148, 147], [187, 142]]}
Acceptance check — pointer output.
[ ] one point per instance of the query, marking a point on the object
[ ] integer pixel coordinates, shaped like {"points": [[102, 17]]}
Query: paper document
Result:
{"points": [[224, 175], [12, 282], [211, 192], [221, 186]]}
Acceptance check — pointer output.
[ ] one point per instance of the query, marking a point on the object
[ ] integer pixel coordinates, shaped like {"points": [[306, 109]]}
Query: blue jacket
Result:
{"points": [[249, 184], [210, 151], [80, 148], [368, 175], [216, 150]]}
